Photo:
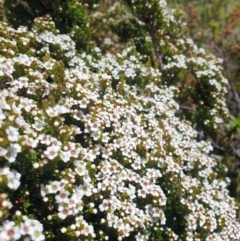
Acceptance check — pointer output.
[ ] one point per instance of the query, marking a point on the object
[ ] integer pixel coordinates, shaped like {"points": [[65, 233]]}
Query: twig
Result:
{"points": [[215, 144], [236, 152], [158, 54]]}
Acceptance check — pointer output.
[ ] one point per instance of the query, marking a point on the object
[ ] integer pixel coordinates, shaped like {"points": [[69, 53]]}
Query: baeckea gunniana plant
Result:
{"points": [[92, 146]]}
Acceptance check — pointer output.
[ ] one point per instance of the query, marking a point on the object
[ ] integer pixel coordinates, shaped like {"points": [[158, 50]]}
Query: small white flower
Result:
{"points": [[51, 152], [12, 134], [12, 151], [83, 103], [65, 155], [38, 125], [9, 231], [62, 197], [13, 179], [4, 105], [51, 112], [53, 187], [2, 115], [63, 212], [80, 168], [36, 232], [3, 151], [63, 230]]}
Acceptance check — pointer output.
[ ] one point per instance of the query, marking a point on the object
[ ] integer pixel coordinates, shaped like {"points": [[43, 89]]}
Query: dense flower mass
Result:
{"points": [[158, 32], [92, 149]]}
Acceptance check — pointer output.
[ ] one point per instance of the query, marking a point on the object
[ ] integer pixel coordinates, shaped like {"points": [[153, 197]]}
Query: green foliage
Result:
{"points": [[69, 16]]}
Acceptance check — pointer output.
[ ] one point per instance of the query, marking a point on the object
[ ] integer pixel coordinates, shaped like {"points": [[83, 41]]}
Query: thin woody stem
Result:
{"points": [[158, 54]]}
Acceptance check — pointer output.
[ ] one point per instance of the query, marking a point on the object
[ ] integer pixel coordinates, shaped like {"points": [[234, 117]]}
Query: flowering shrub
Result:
{"points": [[92, 147], [196, 74], [215, 26], [69, 16]]}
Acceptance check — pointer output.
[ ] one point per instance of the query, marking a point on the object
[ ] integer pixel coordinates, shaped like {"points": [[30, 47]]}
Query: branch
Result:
{"points": [[215, 145], [232, 87], [235, 151], [235, 94], [158, 54]]}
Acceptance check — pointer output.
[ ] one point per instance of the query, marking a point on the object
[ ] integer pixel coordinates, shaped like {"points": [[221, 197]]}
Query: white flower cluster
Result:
{"points": [[133, 162], [32, 228], [197, 74], [207, 72], [63, 42]]}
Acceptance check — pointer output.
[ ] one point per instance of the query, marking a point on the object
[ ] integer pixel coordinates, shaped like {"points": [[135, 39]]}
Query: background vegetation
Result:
{"points": [[215, 26]]}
